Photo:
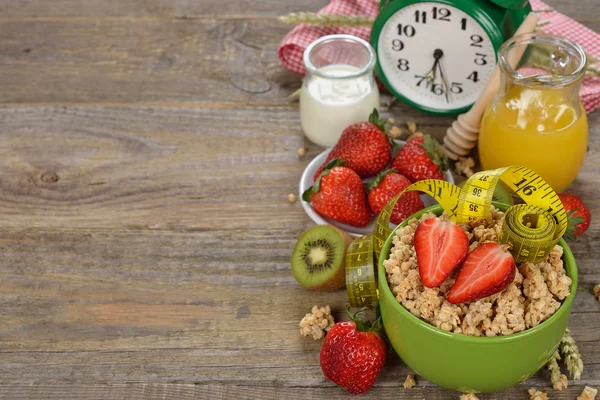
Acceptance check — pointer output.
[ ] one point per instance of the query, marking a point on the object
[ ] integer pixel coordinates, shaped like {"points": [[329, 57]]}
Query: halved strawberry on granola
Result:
{"points": [[441, 246], [487, 270]]}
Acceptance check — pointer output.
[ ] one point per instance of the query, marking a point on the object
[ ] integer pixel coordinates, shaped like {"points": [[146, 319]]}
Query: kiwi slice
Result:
{"points": [[319, 258], [501, 193]]}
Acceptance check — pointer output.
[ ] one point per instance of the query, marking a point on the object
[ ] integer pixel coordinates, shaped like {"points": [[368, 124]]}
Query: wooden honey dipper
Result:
{"points": [[461, 137]]}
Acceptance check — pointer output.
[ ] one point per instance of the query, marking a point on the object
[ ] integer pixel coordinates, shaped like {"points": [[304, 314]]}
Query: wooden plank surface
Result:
{"points": [[150, 60], [581, 10], [149, 391], [140, 261], [205, 9], [146, 233], [143, 61]]}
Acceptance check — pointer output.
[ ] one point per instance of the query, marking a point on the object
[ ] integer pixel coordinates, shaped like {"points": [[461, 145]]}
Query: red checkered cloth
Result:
{"points": [[293, 44]]}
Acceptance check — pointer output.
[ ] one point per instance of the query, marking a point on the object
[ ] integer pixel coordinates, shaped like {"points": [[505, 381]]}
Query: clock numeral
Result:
{"points": [[437, 89], [397, 45], [421, 79], [408, 30], [442, 15], [476, 41], [421, 16], [463, 24], [474, 76], [456, 88], [403, 64], [480, 59]]}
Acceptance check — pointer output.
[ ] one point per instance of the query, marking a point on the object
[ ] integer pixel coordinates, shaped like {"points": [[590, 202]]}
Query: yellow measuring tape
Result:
{"points": [[531, 230], [361, 282]]}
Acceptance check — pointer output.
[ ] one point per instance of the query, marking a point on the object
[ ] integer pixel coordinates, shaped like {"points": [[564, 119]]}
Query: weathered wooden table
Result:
{"points": [[147, 148]]}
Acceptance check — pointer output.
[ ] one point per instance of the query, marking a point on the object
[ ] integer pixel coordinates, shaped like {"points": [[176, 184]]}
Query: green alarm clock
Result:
{"points": [[437, 55]]}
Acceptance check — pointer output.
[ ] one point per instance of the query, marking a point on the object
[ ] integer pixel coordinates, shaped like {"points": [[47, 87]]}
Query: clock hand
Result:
{"points": [[444, 82], [431, 74], [437, 54]]}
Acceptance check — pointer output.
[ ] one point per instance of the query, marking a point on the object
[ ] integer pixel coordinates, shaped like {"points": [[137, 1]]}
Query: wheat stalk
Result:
{"points": [[571, 354], [559, 381], [327, 20], [592, 70]]}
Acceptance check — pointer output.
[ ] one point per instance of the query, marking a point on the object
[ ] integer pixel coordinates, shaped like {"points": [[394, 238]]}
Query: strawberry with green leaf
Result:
{"points": [[353, 353], [364, 146], [387, 185], [578, 215], [339, 194], [422, 157]]}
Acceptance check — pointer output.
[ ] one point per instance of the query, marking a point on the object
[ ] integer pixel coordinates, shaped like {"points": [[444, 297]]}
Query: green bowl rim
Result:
{"points": [[386, 291]]}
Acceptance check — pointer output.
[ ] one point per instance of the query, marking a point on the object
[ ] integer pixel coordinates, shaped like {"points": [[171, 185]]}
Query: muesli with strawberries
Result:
{"points": [[489, 295]]}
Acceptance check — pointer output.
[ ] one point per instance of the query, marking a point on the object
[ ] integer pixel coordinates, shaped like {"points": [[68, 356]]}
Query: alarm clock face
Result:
{"points": [[435, 56]]}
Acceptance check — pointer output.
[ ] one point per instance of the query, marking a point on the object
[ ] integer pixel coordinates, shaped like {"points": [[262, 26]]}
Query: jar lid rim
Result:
{"points": [[543, 39], [341, 37]]}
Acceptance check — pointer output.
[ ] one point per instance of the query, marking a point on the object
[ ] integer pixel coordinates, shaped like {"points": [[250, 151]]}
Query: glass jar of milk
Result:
{"points": [[339, 88]]}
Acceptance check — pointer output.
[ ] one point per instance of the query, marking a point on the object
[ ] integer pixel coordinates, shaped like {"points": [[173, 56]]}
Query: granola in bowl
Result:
{"points": [[535, 293]]}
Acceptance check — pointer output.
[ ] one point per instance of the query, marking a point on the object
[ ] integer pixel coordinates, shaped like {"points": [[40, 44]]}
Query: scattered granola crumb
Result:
{"points": [[391, 121], [412, 126], [395, 132], [391, 103], [291, 198], [597, 291], [588, 393], [464, 166], [468, 396], [316, 322], [301, 152], [535, 394], [561, 384], [409, 383]]}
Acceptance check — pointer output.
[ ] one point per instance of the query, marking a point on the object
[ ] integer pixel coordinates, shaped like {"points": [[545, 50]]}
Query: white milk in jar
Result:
{"points": [[339, 88], [329, 105]]}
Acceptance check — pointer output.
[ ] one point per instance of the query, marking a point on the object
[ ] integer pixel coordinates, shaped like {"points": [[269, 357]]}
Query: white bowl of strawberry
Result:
{"points": [[348, 185]]}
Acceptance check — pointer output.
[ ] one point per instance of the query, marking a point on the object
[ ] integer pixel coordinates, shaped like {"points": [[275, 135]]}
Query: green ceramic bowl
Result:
{"points": [[466, 363]]}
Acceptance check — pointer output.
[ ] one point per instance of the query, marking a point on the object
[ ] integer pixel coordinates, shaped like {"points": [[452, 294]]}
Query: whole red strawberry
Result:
{"points": [[353, 354], [387, 185], [364, 146], [577, 213], [422, 157], [339, 194]]}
